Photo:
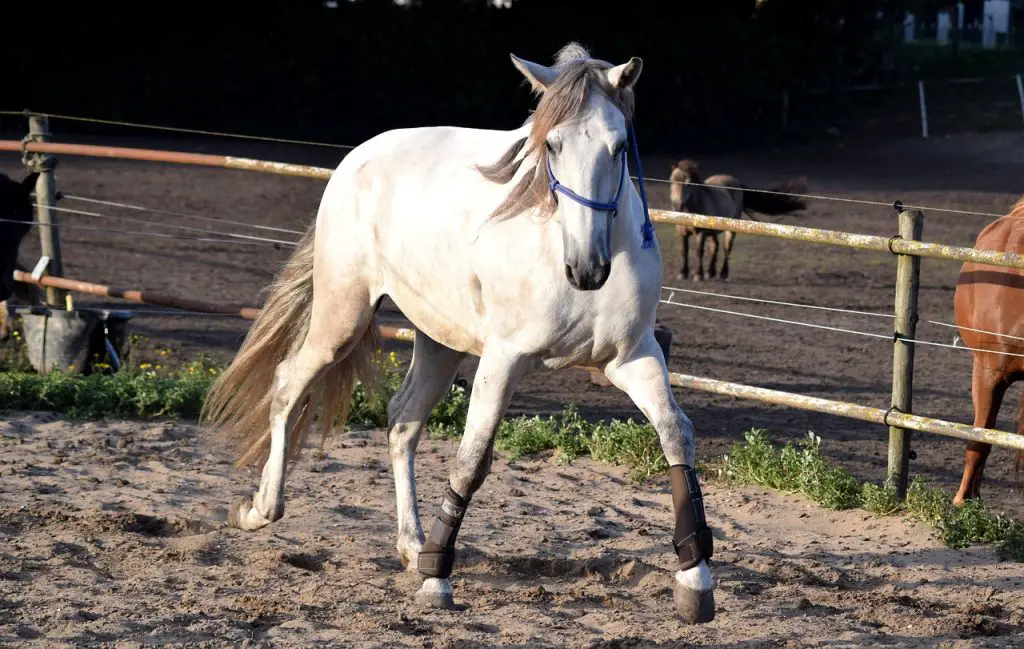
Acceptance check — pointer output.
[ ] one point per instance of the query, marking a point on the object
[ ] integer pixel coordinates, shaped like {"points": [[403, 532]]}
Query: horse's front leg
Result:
{"points": [[644, 377], [713, 264], [702, 238], [495, 381], [684, 273], [729, 237]]}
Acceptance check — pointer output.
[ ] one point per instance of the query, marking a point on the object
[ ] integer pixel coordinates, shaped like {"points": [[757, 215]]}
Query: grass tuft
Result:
{"points": [[802, 469]]}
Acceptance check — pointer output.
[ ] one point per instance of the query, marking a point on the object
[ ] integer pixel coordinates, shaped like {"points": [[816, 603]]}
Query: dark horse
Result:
{"points": [[991, 299], [15, 205], [722, 195]]}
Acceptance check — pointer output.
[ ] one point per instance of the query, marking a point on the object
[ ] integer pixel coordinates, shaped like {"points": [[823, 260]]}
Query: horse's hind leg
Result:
{"points": [[495, 381], [430, 375], [987, 388], [644, 377], [729, 236], [339, 321]]}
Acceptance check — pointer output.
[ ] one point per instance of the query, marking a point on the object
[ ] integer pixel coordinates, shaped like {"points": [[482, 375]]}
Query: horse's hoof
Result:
{"points": [[242, 515], [693, 606], [698, 278], [435, 593]]}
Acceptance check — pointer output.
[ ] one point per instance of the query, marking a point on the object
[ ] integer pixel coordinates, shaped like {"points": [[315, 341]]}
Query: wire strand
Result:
{"points": [[142, 208], [980, 331], [776, 302], [840, 199], [854, 332], [177, 129], [160, 235], [890, 316], [135, 312], [779, 320], [270, 242]]}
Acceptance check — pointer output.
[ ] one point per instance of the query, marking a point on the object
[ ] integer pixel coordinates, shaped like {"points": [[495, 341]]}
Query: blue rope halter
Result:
{"points": [[647, 229]]}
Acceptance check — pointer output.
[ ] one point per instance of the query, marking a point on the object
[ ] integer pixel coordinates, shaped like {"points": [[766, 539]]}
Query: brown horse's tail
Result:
{"points": [[240, 400], [776, 203]]}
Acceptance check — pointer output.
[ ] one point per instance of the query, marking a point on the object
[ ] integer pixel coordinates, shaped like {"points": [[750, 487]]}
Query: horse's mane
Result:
{"points": [[1017, 211], [688, 167], [562, 101]]}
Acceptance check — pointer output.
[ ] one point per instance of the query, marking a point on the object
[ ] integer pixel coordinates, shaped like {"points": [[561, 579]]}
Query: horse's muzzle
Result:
{"points": [[587, 277]]}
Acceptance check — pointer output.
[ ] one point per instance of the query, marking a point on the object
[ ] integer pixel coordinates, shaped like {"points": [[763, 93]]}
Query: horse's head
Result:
{"points": [[683, 173], [15, 205], [580, 132]]}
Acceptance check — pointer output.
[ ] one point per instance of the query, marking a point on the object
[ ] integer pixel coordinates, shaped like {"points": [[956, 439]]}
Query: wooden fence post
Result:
{"points": [[46, 198], [908, 279]]}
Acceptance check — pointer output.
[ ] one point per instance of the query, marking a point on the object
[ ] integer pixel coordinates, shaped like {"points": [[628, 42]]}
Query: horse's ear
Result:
{"points": [[625, 75], [539, 76]]}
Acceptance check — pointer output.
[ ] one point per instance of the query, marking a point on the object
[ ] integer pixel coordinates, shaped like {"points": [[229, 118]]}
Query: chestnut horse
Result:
{"points": [[991, 299], [722, 195]]}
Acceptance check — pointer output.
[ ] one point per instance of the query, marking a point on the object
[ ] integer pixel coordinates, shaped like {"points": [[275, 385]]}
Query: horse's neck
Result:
{"points": [[696, 198]]}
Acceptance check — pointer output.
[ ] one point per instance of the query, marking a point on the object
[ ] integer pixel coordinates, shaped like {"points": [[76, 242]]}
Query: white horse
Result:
{"points": [[486, 253]]}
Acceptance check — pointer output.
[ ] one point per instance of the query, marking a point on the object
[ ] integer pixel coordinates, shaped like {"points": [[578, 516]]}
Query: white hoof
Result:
{"points": [[694, 594], [435, 593]]}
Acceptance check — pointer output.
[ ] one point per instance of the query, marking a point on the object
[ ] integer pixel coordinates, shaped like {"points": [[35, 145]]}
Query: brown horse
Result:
{"points": [[992, 299], [722, 195]]}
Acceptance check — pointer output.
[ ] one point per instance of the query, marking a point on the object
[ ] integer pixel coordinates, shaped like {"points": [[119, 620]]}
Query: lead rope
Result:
{"points": [[647, 229]]}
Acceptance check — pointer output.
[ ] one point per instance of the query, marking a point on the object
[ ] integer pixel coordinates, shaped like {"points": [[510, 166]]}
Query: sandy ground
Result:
{"points": [[110, 530], [111, 536]]}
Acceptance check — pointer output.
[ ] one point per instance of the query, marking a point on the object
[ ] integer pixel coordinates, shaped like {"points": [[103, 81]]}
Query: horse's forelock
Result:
{"points": [[563, 101]]}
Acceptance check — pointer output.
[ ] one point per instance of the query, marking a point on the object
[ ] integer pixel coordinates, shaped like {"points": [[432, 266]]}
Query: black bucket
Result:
{"points": [[74, 341]]}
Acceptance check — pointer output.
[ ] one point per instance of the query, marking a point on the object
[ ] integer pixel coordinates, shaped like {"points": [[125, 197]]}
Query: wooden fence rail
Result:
{"points": [[905, 245]]}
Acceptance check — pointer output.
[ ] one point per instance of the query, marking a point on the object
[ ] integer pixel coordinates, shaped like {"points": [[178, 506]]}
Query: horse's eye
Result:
{"points": [[551, 149]]}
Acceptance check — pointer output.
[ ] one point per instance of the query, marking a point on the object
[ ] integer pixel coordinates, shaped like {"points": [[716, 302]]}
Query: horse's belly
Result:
{"points": [[443, 318]]}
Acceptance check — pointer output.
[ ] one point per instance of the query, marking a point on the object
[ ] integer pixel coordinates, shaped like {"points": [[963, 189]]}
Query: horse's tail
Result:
{"points": [[240, 400], [776, 203]]}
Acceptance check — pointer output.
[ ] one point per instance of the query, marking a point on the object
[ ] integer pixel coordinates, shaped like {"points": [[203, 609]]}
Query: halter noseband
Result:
{"points": [[647, 229]]}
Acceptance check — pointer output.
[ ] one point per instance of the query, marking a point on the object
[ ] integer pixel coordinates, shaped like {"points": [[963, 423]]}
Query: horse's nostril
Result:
{"points": [[570, 274]]}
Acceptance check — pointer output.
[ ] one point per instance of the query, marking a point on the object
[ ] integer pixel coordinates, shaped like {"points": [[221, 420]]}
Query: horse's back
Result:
{"points": [[722, 196], [991, 298], [724, 180]]}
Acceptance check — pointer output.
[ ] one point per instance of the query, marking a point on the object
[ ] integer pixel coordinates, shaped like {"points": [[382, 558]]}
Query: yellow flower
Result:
{"points": [[145, 366]]}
